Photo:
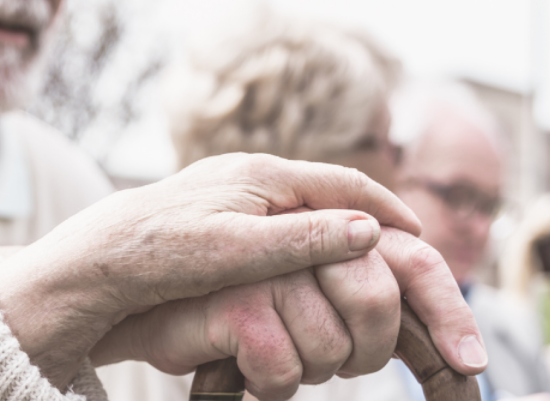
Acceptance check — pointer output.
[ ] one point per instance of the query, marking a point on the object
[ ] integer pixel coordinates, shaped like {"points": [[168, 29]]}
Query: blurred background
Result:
{"points": [[104, 90], [499, 47], [103, 78]]}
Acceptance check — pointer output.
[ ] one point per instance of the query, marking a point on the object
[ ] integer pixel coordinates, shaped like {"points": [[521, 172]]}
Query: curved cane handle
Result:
{"points": [[439, 381], [222, 380]]}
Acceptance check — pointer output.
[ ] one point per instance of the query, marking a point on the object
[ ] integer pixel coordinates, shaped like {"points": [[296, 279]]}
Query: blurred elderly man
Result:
{"points": [[223, 222], [451, 175], [37, 190]]}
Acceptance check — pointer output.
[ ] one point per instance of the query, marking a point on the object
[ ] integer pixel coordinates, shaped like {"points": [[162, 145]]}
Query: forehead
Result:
{"points": [[455, 148]]}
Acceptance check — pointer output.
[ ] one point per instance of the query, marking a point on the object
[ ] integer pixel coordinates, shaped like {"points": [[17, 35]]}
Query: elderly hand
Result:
{"points": [[208, 227], [341, 318]]}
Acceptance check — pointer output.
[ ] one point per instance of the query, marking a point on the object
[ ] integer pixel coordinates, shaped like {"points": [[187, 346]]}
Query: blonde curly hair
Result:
{"points": [[520, 264], [293, 89]]}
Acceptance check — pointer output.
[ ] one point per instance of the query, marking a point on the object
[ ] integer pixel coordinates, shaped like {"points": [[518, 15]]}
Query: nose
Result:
{"points": [[478, 226]]}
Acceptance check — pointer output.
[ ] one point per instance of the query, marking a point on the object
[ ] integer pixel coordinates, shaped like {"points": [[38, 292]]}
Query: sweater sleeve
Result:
{"points": [[21, 381]]}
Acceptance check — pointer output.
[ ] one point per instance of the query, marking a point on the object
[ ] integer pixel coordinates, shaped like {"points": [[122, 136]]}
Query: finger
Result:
{"points": [[258, 338], [316, 329], [366, 295], [291, 184], [426, 281], [178, 336], [241, 322], [268, 360], [256, 248], [173, 337]]}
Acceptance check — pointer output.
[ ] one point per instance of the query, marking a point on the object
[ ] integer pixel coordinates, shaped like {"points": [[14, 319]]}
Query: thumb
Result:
{"points": [[267, 246]]}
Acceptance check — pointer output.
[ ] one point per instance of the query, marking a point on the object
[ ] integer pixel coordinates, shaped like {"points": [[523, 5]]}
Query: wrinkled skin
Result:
{"points": [[211, 226], [304, 327]]}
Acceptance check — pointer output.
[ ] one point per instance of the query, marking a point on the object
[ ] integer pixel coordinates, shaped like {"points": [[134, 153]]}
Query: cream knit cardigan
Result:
{"points": [[21, 381]]}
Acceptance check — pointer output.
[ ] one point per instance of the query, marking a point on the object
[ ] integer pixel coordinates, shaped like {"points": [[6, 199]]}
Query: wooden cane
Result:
{"points": [[222, 380]]}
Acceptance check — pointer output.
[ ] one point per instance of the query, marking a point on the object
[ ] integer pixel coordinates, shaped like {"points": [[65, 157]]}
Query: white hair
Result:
{"points": [[415, 105]]}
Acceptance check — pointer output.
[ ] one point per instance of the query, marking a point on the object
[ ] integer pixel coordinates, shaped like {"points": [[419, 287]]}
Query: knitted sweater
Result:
{"points": [[21, 381]]}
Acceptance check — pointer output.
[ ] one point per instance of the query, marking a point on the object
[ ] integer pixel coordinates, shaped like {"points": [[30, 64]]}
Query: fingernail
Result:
{"points": [[362, 234], [471, 352]]}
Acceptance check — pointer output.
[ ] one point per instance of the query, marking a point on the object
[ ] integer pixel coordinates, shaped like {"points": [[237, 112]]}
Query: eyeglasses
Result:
{"points": [[462, 198]]}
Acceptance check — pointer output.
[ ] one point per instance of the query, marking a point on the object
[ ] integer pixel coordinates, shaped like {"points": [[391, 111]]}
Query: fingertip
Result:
{"points": [[472, 353], [363, 234], [391, 211], [416, 228], [466, 354], [411, 223]]}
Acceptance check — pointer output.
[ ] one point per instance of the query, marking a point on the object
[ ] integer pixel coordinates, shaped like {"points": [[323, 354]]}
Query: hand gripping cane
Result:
{"points": [[222, 381]]}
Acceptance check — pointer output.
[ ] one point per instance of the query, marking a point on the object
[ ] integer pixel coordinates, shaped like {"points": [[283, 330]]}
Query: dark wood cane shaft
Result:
{"points": [[222, 380], [218, 381], [439, 381]]}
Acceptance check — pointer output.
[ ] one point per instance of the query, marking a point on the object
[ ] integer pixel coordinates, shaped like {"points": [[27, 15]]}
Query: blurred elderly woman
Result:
{"points": [[295, 90]]}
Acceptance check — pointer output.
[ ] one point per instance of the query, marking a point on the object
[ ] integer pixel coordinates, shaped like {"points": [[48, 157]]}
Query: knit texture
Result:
{"points": [[21, 381]]}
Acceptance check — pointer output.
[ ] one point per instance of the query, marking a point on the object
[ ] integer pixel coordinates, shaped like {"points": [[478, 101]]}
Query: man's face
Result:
{"points": [[452, 182], [24, 28]]}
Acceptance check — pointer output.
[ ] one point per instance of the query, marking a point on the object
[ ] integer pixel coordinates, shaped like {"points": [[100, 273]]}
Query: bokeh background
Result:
{"points": [[103, 80], [103, 85]]}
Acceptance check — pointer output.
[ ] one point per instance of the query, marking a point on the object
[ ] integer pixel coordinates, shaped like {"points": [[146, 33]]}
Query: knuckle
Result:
{"points": [[388, 298], [375, 355], [358, 183], [334, 353], [317, 238], [319, 370], [338, 352], [253, 164], [380, 297], [425, 260]]}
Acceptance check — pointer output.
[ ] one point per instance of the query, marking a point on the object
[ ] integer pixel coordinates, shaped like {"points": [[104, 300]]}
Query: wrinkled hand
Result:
{"points": [[341, 318], [208, 227]]}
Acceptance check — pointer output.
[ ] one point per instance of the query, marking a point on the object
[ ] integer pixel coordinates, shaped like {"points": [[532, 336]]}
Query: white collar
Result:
{"points": [[16, 189]]}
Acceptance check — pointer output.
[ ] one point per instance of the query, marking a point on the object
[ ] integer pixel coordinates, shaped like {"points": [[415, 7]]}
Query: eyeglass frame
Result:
{"points": [[441, 191]]}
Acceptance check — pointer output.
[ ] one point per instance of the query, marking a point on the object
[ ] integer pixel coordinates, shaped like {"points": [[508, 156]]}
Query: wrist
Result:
{"points": [[53, 307]]}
